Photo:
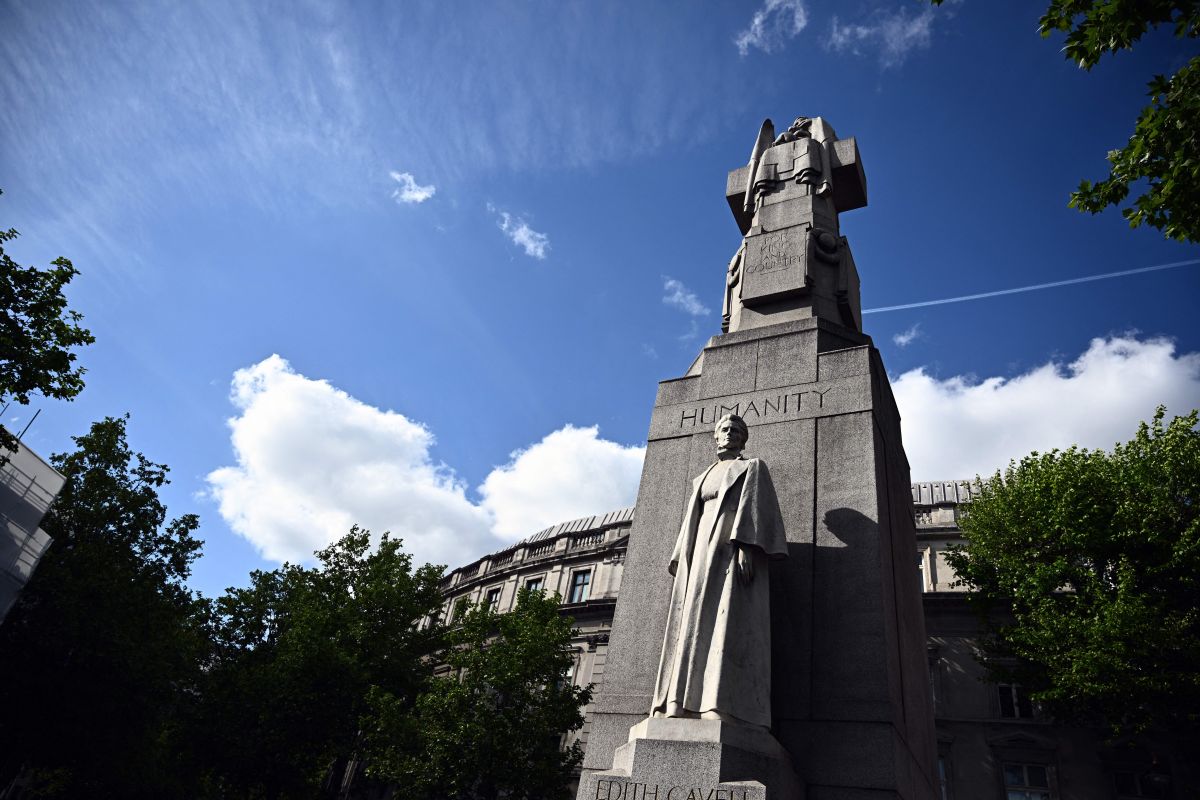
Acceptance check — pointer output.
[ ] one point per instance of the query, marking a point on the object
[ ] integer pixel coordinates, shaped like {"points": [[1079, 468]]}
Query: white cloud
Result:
{"points": [[311, 461], [681, 297], [905, 338], [410, 191], [960, 427], [517, 229], [891, 34], [771, 24], [568, 474]]}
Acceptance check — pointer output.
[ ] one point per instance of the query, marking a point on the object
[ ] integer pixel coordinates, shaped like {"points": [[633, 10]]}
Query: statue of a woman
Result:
{"points": [[716, 656]]}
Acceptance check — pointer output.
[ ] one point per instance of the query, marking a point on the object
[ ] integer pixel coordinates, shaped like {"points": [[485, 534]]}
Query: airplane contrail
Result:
{"points": [[1033, 288]]}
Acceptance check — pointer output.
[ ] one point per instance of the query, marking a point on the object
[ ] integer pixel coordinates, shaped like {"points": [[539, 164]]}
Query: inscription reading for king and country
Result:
{"points": [[629, 790], [772, 254]]}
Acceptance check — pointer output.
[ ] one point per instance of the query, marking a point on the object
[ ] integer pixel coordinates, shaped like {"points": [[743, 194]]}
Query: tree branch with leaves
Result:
{"points": [[1085, 567], [38, 332], [1163, 153]]}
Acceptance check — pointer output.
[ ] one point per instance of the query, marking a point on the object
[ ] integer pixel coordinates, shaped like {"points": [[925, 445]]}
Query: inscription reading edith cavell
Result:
{"points": [[628, 790]]}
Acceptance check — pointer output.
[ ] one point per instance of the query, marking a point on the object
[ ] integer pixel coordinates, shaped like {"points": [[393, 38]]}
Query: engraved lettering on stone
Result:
{"points": [[629, 790], [773, 254], [781, 404]]}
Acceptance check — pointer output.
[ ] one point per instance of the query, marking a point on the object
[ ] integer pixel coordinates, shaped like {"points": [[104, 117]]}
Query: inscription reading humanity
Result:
{"points": [[760, 408], [843, 395], [628, 790]]}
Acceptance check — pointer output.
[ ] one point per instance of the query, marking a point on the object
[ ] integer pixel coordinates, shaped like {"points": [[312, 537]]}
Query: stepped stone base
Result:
{"points": [[696, 759]]}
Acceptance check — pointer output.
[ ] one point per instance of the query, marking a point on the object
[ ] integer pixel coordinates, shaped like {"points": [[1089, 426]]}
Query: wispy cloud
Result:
{"points": [[691, 334], [676, 295], [535, 244], [905, 338], [226, 100], [776, 21], [890, 34], [410, 191], [960, 427]]}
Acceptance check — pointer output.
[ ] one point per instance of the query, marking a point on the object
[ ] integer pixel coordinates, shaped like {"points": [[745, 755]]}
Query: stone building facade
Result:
{"points": [[992, 742], [28, 486]]}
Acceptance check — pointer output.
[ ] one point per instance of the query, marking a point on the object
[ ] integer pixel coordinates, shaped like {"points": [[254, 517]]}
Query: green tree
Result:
{"points": [[37, 332], [1086, 568], [494, 727], [1164, 149], [105, 641], [295, 656]]}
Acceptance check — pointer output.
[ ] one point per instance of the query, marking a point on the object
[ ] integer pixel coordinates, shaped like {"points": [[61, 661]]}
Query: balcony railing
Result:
{"points": [[540, 549], [587, 540]]}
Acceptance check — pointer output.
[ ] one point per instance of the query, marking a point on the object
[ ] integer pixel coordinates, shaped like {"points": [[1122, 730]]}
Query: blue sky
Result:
{"points": [[420, 266]]}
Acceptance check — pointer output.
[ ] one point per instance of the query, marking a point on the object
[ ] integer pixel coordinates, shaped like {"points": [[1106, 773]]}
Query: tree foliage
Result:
{"points": [[37, 330], [1164, 149], [295, 655], [105, 640], [493, 727], [1086, 567], [118, 682]]}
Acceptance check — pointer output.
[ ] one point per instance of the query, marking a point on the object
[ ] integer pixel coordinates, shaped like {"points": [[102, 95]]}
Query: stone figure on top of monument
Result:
{"points": [[716, 654], [799, 155], [786, 201]]}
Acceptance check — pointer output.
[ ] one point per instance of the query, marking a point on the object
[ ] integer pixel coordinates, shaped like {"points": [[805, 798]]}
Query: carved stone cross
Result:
{"points": [[793, 262]]}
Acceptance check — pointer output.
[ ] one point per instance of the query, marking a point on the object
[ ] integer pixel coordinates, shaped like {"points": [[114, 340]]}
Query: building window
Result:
{"points": [[935, 669], [493, 599], [570, 672], [921, 569], [579, 586], [1131, 784], [1014, 702], [1026, 782], [943, 783], [534, 584]]}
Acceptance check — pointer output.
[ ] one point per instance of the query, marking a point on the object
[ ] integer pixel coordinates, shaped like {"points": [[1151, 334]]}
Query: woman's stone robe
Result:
{"points": [[717, 650]]}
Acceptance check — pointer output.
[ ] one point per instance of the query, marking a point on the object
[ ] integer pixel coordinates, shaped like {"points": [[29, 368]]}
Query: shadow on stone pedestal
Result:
{"points": [[696, 759]]}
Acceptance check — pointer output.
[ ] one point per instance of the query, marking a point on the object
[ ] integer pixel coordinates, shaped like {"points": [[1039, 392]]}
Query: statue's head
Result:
{"points": [[731, 433], [800, 126]]}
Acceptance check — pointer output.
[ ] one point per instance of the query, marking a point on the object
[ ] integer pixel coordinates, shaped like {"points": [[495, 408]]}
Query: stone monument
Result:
{"points": [[813, 682]]}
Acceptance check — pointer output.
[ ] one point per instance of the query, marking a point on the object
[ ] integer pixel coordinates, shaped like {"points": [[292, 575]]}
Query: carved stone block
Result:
{"points": [[775, 265]]}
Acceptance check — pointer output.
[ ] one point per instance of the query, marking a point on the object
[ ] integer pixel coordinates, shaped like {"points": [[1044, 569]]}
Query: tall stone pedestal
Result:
{"points": [[851, 707]]}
